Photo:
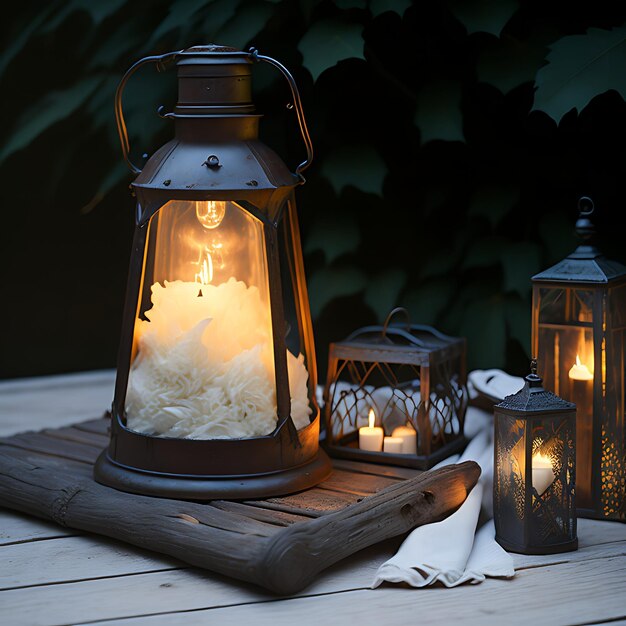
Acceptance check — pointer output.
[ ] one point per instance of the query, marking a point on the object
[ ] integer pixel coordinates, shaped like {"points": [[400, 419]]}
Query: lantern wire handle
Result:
{"points": [[161, 61], [306, 137], [398, 309]]}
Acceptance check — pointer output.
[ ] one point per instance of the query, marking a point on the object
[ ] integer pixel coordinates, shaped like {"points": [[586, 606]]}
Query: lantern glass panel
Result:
{"points": [[565, 340], [202, 341], [613, 460]]}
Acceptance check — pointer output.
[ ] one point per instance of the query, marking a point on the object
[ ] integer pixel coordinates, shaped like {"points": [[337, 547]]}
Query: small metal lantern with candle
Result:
{"points": [[215, 389], [579, 335], [534, 471], [396, 394]]}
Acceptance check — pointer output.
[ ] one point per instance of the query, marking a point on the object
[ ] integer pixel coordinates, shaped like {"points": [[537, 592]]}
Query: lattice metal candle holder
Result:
{"points": [[410, 381], [534, 471]]}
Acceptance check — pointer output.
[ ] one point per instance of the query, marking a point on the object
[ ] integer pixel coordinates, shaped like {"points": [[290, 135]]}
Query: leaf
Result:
{"points": [[246, 23], [383, 290], [330, 283], [381, 6], [438, 113], [329, 41], [579, 68], [484, 326], [356, 165], [180, 14], [98, 11], [507, 63], [488, 16], [493, 201], [520, 261], [216, 15], [53, 108], [19, 41], [334, 234], [558, 234], [485, 252], [426, 302]]}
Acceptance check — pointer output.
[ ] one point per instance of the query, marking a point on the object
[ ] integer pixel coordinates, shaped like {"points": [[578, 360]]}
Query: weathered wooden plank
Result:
{"points": [[570, 593], [71, 559], [314, 502], [52, 401], [37, 442], [374, 469], [69, 433], [99, 426], [19, 528], [225, 542], [357, 483], [279, 518]]}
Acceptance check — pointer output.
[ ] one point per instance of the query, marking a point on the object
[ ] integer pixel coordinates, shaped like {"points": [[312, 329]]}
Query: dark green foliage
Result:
{"points": [[452, 141]]}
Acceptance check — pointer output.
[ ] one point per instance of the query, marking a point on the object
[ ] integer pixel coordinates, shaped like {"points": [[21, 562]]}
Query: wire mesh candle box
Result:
{"points": [[396, 394]]}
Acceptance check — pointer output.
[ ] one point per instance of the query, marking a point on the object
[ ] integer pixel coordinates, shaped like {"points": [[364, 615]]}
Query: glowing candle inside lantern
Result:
{"points": [[543, 475], [579, 371], [409, 438], [392, 445], [371, 437]]}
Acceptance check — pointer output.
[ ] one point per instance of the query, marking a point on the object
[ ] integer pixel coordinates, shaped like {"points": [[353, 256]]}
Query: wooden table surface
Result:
{"points": [[53, 575]]}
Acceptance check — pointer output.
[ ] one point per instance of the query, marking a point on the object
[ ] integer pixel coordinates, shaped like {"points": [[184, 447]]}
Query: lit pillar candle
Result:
{"points": [[409, 438], [371, 437], [543, 475], [579, 371], [393, 445]]}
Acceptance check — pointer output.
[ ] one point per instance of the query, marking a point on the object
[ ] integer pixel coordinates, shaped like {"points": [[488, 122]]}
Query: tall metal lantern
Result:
{"points": [[534, 508], [215, 390], [579, 335]]}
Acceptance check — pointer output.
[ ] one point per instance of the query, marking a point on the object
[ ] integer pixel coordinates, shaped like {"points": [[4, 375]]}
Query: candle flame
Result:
{"points": [[541, 460], [372, 418], [579, 371]]}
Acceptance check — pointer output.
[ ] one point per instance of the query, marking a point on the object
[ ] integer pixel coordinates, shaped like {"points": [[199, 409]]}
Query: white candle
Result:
{"points": [[393, 445], [543, 476], [409, 438], [371, 437], [579, 371]]}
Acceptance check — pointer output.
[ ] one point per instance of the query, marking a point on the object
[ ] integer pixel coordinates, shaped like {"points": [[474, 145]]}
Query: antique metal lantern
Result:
{"points": [[579, 335], [216, 376], [534, 471], [396, 394]]}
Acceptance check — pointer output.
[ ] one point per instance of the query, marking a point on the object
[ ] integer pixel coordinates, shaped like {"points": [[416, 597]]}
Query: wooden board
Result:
{"points": [[279, 543]]}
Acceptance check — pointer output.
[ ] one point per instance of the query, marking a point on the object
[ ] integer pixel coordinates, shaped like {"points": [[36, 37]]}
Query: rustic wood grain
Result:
{"points": [[35, 478]]}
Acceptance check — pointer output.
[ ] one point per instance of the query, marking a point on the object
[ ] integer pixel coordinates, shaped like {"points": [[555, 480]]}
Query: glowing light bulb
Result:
{"points": [[205, 275], [210, 213]]}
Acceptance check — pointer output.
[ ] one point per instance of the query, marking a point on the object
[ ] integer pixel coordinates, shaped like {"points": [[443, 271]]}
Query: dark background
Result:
{"points": [[450, 156]]}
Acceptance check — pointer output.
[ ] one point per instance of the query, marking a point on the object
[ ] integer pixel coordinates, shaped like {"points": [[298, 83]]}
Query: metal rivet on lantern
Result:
{"points": [[212, 161]]}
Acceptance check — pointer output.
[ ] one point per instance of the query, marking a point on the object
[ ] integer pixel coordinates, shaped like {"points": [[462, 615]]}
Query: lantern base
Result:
{"points": [[213, 488], [567, 546]]}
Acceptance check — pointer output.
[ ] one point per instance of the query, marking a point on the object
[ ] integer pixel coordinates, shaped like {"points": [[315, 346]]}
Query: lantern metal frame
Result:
{"points": [[526, 521], [399, 355], [601, 446], [216, 155]]}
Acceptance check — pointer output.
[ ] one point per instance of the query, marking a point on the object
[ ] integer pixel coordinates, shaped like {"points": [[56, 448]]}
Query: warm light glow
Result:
{"points": [[579, 371], [371, 418], [210, 213], [543, 475], [205, 275]]}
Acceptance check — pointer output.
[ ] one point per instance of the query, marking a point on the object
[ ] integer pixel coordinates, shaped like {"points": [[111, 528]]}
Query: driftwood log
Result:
{"points": [[279, 543]]}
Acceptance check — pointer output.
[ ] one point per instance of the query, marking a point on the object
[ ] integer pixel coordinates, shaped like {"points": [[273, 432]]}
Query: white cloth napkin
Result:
{"points": [[452, 551]]}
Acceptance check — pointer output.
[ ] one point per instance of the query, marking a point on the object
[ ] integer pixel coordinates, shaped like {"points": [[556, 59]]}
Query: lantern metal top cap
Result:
{"points": [[532, 398], [586, 264]]}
